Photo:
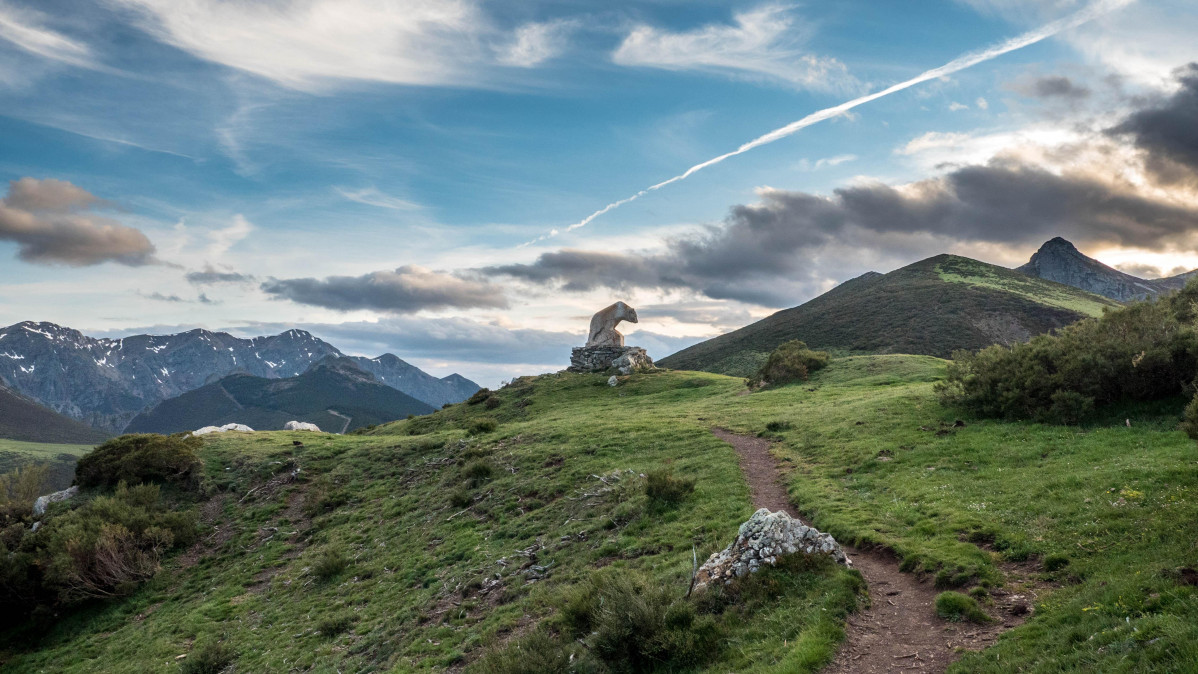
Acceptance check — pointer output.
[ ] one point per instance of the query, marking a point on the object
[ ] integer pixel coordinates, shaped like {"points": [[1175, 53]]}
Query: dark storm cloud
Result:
{"points": [[766, 252], [406, 290], [211, 276], [54, 222], [1056, 86], [1167, 132]]}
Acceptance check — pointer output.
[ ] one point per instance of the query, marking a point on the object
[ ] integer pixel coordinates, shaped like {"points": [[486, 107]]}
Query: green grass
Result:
{"points": [[61, 458], [980, 275], [1105, 512]]}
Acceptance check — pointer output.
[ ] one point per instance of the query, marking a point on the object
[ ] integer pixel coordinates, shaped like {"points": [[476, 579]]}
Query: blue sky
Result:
{"points": [[373, 171]]}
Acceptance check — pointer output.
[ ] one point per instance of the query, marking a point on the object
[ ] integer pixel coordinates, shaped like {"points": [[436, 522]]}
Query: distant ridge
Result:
{"points": [[931, 307], [107, 382], [1059, 260], [22, 419], [335, 394]]}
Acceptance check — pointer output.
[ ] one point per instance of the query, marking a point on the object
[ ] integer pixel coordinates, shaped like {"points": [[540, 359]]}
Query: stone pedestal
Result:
{"points": [[626, 359]]}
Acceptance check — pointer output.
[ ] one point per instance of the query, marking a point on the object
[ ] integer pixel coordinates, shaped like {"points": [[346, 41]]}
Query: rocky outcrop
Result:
{"points": [[241, 428], [1059, 260], [626, 359], [301, 426], [761, 540], [43, 502]]}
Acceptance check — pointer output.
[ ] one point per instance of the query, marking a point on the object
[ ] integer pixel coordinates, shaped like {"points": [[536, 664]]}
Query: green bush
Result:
{"points": [[19, 488], [211, 657], [492, 402], [1189, 422], [777, 426], [956, 607], [479, 396], [1055, 562], [790, 362], [484, 425], [1144, 351], [330, 563], [478, 472], [664, 489], [141, 458]]}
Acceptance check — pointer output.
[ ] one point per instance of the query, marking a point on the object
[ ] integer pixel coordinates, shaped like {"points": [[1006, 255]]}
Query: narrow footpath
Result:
{"points": [[899, 631]]}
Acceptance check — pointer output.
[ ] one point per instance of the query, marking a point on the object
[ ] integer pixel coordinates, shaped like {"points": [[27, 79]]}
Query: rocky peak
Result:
{"points": [[1059, 260]]}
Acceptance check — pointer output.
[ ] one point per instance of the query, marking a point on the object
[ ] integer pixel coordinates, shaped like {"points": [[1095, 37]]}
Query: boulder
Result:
{"points": [[762, 539], [43, 502], [208, 429], [613, 380], [241, 428], [301, 426], [634, 360]]}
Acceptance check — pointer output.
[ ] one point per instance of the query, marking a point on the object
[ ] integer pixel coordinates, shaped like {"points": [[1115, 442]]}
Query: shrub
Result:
{"points": [[141, 458], [1189, 422], [330, 563], [479, 396], [211, 657], [20, 487], [956, 607], [484, 425], [492, 403], [478, 472], [461, 498], [790, 362], [777, 426], [1055, 562], [331, 626], [1144, 351], [663, 488]]}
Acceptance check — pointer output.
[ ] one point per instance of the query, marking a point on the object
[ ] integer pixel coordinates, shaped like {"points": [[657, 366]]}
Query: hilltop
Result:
{"points": [[1059, 260], [335, 394], [107, 382], [931, 307]]}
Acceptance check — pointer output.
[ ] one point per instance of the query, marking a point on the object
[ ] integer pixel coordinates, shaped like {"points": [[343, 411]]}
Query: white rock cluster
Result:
{"points": [[43, 502], [301, 426], [223, 429], [762, 539]]}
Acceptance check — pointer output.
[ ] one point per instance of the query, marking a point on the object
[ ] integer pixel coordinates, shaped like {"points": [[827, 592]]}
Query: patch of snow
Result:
{"points": [[13, 356]]}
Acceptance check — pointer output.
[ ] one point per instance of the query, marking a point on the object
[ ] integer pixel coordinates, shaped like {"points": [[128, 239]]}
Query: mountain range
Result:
{"points": [[1059, 260], [106, 382], [336, 394]]}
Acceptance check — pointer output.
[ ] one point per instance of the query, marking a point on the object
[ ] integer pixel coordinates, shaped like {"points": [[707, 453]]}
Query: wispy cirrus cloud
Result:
{"points": [[27, 29], [765, 42], [371, 196]]}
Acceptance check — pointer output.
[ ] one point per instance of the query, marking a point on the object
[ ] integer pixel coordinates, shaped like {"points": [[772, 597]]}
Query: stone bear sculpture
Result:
{"points": [[603, 325]]}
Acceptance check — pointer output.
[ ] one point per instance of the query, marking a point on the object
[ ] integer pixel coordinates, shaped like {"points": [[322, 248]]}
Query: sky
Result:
{"points": [[463, 183]]}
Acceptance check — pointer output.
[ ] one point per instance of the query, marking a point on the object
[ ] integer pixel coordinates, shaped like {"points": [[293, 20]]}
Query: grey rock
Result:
{"points": [[300, 426], [761, 540], [1059, 260], [613, 380], [43, 502], [603, 358], [634, 360]]}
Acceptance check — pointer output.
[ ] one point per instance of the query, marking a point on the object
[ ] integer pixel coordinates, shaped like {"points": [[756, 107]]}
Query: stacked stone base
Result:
{"points": [[626, 359]]}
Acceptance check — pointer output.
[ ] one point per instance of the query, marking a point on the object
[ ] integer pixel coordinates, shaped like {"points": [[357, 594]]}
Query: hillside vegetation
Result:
{"points": [[931, 307], [467, 538], [24, 420]]}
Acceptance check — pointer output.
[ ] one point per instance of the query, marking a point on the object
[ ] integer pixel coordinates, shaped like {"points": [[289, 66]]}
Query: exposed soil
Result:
{"points": [[899, 631]]}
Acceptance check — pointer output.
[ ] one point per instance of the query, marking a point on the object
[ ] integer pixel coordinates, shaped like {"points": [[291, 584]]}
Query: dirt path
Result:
{"points": [[347, 420], [900, 631]]}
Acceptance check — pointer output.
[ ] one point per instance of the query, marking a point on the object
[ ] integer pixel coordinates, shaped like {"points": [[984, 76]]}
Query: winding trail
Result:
{"points": [[899, 631]]}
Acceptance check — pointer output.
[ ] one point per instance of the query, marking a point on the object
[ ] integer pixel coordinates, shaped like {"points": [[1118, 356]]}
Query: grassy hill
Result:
{"points": [[434, 541], [24, 420], [335, 395], [60, 457], [931, 307]]}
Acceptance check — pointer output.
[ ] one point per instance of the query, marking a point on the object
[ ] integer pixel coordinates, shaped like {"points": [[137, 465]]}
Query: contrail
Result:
{"points": [[956, 65]]}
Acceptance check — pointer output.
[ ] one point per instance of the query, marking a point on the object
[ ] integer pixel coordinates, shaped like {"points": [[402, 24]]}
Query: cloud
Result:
{"points": [[408, 289], [211, 276], [956, 107], [54, 222], [372, 197], [759, 43], [26, 29], [1054, 86], [536, 43], [982, 103], [1167, 131], [313, 45]]}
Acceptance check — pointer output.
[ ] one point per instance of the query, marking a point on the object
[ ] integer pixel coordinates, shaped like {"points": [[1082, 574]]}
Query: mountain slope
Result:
{"points": [[106, 382], [931, 307], [1059, 260], [397, 373], [334, 394], [22, 419]]}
